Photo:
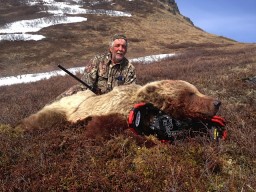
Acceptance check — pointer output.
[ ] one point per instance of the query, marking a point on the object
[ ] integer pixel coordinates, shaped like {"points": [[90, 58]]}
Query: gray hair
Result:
{"points": [[117, 36]]}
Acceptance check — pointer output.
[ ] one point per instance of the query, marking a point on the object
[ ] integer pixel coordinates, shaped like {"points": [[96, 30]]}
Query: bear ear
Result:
{"points": [[150, 88]]}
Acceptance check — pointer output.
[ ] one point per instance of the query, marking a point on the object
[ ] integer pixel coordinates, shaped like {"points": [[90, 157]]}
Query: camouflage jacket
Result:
{"points": [[101, 74]]}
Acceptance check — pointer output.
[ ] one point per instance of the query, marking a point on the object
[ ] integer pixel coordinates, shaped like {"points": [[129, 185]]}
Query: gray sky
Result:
{"points": [[234, 19]]}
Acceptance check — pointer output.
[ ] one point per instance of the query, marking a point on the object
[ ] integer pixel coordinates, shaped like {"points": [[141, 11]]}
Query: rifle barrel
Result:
{"points": [[75, 77]]}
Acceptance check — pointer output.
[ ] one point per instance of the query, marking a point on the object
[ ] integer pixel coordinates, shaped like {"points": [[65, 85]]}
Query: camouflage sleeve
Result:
{"points": [[90, 73], [131, 75]]}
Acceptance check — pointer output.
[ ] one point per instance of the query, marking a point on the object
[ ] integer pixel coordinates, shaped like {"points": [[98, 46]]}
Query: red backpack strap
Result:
{"points": [[132, 113], [135, 116]]}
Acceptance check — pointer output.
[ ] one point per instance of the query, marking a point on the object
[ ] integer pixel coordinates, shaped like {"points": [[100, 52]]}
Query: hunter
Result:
{"points": [[107, 70]]}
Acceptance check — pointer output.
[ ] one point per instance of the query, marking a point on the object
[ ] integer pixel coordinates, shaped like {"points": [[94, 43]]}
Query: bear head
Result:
{"points": [[179, 99]]}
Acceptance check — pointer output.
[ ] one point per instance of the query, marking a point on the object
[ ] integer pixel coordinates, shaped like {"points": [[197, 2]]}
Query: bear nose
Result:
{"points": [[217, 103]]}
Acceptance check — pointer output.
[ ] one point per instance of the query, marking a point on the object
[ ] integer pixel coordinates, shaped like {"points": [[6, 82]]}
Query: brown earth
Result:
{"points": [[60, 158]]}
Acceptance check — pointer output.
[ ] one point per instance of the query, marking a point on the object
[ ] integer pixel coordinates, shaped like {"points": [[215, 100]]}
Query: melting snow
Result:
{"points": [[23, 37], [35, 25], [58, 10], [28, 78], [152, 58]]}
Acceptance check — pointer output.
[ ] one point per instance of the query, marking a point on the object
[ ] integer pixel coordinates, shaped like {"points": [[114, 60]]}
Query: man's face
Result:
{"points": [[118, 50]]}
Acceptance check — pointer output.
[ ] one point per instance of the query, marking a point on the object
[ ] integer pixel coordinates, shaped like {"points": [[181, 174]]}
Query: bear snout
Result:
{"points": [[217, 104]]}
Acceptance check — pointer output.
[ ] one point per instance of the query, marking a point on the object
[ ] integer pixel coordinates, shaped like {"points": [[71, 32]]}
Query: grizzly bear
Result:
{"points": [[177, 98]]}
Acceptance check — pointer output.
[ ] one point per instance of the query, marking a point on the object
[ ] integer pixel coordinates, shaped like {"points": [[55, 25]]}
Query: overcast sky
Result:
{"points": [[235, 19]]}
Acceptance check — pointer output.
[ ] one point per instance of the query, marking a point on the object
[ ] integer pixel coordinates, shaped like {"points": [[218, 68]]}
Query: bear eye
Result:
{"points": [[191, 94]]}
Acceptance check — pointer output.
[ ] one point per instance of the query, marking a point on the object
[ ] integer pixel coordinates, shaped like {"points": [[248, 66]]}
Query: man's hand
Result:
{"points": [[97, 91]]}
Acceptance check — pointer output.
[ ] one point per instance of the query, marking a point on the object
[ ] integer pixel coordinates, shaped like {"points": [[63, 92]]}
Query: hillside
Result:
{"points": [[62, 158], [155, 27]]}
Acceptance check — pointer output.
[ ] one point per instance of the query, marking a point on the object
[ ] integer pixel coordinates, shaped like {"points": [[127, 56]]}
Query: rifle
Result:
{"points": [[75, 77]]}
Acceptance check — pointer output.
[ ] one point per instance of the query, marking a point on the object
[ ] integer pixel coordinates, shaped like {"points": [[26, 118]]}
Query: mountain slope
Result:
{"points": [[155, 27]]}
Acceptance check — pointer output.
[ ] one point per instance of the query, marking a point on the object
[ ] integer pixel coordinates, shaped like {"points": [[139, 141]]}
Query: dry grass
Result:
{"points": [[62, 158]]}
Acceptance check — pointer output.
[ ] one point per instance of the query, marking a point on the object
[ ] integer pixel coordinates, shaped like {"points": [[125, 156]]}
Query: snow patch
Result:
{"points": [[35, 25], [28, 78], [21, 37], [58, 12], [151, 58]]}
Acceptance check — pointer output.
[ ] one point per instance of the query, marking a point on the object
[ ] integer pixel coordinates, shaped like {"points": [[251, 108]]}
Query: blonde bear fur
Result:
{"points": [[177, 98]]}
